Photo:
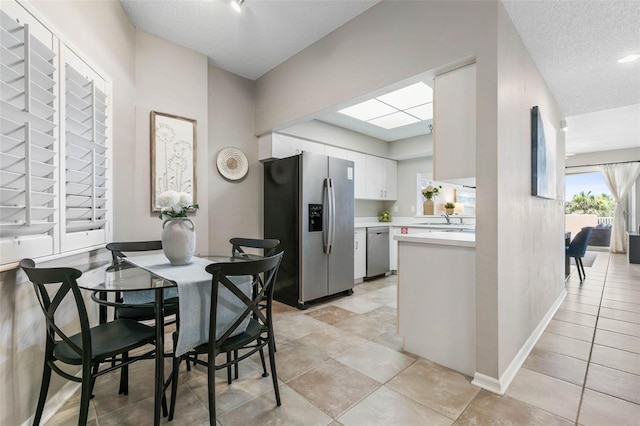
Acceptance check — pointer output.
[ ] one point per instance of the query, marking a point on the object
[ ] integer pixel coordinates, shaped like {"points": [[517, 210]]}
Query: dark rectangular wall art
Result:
{"points": [[543, 156]]}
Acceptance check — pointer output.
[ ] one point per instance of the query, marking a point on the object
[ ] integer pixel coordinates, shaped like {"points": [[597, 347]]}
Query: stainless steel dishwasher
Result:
{"points": [[377, 251]]}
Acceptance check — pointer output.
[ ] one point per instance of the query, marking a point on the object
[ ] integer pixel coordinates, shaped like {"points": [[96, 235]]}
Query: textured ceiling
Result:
{"points": [[250, 43], [576, 45]]}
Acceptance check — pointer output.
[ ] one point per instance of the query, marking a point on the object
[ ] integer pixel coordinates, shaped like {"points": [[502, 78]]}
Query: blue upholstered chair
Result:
{"points": [[578, 248]]}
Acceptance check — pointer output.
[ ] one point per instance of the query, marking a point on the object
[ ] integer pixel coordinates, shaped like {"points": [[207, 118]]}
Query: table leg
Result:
{"points": [[159, 375]]}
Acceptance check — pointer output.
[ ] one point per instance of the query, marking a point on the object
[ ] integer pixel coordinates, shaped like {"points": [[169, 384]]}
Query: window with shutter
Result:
{"points": [[54, 141], [28, 144], [86, 166]]}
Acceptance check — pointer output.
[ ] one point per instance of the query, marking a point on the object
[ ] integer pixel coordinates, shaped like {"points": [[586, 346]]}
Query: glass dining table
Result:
{"points": [[128, 277]]}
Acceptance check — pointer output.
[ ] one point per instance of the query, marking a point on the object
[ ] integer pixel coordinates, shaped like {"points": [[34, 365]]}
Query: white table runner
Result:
{"points": [[194, 291]]}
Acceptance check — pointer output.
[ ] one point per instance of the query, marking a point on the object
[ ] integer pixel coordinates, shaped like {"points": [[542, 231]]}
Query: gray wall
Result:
{"points": [[342, 66], [529, 260], [407, 171], [235, 208], [173, 80]]}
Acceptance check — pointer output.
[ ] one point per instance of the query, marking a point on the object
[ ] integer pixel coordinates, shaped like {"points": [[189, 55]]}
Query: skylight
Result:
{"points": [[401, 107]]}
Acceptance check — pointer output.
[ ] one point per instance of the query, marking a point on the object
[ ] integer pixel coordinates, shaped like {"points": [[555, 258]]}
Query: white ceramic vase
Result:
{"points": [[178, 240]]}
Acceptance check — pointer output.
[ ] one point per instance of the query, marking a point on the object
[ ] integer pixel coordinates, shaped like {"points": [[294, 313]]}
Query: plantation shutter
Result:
{"points": [[55, 141], [85, 159], [28, 139]]}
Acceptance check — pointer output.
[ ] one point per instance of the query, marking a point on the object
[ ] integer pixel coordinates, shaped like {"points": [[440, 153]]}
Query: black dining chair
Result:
{"points": [[257, 334], [238, 246], [577, 249], [144, 311], [88, 348]]}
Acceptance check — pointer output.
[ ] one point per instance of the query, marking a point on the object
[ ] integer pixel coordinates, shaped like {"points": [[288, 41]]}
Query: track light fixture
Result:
{"points": [[237, 5]]}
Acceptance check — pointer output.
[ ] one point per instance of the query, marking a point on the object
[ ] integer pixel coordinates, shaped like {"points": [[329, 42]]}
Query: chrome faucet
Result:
{"points": [[446, 216]]}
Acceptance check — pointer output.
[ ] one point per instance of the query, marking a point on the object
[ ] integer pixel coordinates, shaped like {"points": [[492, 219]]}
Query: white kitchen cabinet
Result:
{"points": [[276, 145], [375, 178], [454, 134], [360, 253], [382, 178]]}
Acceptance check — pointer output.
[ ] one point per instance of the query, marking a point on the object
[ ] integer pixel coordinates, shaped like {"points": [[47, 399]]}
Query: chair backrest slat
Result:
{"points": [[268, 245], [66, 278], [118, 249], [268, 267]]}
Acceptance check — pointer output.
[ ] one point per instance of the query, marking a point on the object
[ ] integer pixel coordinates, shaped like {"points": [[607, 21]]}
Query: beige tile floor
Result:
{"points": [[341, 363]]}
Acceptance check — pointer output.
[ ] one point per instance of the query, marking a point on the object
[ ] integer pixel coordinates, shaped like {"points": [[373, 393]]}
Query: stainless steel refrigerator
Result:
{"points": [[309, 207]]}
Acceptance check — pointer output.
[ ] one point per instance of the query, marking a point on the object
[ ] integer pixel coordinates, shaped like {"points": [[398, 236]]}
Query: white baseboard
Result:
{"points": [[501, 385], [55, 403]]}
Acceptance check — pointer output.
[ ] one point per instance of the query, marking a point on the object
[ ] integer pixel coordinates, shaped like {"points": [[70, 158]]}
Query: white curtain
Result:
{"points": [[620, 178]]}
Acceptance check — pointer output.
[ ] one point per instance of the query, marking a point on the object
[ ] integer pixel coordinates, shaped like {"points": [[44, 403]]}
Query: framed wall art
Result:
{"points": [[173, 156], [543, 156]]}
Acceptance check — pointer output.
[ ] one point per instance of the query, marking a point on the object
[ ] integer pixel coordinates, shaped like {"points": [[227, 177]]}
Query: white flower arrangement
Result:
{"points": [[176, 204]]}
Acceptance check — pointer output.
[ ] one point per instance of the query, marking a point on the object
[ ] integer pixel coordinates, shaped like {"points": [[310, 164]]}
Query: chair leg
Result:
{"points": [[235, 367], [229, 368], [94, 372], [211, 384], [274, 375], [85, 395], [44, 388], [577, 259], [174, 377], [264, 364], [584, 275], [124, 376]]}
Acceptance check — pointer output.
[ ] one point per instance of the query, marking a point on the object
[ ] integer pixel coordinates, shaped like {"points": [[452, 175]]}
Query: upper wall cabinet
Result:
{"points": [[276, 145], [454, 142], [375, 178], [382, 179]]}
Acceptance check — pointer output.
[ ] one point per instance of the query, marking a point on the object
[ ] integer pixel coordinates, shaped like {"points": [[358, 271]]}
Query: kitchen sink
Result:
{"points": [[435, 223]]}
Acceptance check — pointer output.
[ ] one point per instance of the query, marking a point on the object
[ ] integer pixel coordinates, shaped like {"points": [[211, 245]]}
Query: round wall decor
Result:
{"points": [[232, 163]]}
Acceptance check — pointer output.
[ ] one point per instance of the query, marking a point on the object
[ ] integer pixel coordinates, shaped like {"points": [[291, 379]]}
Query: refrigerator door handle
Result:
{"points": [[332, 210], [328, 231]]}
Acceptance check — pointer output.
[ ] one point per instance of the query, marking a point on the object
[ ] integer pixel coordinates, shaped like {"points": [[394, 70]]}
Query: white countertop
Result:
{"points": [[427, 222], [443, 226], [460, 239]]}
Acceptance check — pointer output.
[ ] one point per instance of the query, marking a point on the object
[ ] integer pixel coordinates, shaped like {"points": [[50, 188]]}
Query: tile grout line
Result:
{"points": [[595, 329]]}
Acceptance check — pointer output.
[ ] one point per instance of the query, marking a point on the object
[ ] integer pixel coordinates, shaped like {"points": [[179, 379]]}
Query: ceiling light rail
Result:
{"points": [[237, 5]]}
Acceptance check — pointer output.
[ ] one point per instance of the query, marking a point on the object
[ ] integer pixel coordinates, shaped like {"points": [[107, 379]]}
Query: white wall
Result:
{"points": [[409, 38], [235, 208], [530, 238], [407, 171], [417, 146], [173, 80]]}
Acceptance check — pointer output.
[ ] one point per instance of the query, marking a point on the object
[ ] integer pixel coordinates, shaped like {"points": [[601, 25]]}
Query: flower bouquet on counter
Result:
{"points": [[431, 191], [176, 204], [385, 216]]}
